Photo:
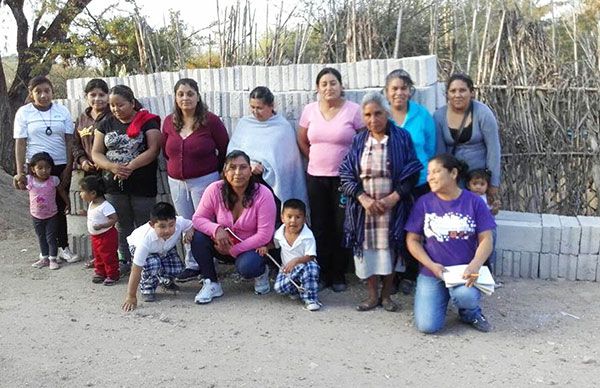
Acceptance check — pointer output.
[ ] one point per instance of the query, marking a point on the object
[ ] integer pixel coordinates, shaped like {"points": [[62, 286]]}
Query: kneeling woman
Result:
{"points": [[247, 209], [456, 226]]}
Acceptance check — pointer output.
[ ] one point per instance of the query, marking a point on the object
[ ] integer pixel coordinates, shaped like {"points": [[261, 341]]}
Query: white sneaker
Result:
{"points": [[312, 306], [261, 283], [68, 256], [209, 291]]}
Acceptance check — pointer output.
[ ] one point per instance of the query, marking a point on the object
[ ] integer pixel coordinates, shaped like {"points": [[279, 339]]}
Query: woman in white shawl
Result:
{"points": [[270, 141]]}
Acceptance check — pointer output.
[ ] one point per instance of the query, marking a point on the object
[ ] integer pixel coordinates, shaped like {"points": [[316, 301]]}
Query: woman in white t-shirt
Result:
{"points": [[325, 133], [45, 126]]}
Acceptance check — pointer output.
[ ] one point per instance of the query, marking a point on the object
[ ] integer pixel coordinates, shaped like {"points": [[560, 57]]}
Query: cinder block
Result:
{"points": [[427, 70], [426, 96], [217, 82], [363, 75], [551, 233], [516, 264], [507, 263], [567, 266], [227, 123], [518, 216], [205, 83], [570, 236], [304, 79], [498, 264], [248, 77], [236, 78], [548, 267], [169, 103], [262, 76], [529, 265], [287, 83], [236, 104], [246, 103], [587, 267], [76, 225], [519, 236], [143, 90], [395, 64], [440, 95], [378, 73], [217, 104], [275, 83], [590, 235]]}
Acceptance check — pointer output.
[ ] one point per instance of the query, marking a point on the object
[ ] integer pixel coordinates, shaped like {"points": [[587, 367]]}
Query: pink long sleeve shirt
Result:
{"points": [[255, 226]]}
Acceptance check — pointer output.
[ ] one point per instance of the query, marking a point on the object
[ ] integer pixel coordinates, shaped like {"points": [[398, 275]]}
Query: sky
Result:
{"points": [[197, 14]]}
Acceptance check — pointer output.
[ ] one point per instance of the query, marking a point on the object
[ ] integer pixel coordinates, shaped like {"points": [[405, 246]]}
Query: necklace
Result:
{"points": [[48, 129]]}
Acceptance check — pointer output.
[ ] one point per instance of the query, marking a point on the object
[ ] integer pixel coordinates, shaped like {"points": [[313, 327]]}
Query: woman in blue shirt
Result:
{"points": [[416, 120]]}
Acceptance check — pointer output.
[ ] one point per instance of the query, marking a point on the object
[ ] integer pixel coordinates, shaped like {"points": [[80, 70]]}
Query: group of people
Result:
{"points": [[385, 183]]}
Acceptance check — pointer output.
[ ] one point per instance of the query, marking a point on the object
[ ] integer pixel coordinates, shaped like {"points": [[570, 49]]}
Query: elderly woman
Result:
{"points": [[195, 144], [275, 159], [126, 147], [235, 216], [324, 137], [449, 226], [399, 88], [96, 96], [45, 126], [467, 129], [377, 175]]}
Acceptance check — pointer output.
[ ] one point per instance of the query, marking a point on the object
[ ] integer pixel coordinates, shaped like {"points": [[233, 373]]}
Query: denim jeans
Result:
{"points": [[431, 303], [249, 264], [186, 196], [46, 231]]}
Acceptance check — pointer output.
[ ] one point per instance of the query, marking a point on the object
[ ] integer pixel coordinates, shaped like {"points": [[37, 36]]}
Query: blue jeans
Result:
{"points": [[249, 264], [186, 196], [431, 303]]}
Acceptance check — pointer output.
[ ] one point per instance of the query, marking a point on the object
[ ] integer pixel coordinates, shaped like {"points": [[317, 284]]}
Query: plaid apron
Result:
{"points": [[377, 183]]}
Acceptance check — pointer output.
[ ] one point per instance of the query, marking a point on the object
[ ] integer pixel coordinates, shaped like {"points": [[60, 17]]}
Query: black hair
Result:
{"points": [[126, 92], [201, 108], [294, 203], [264, 94], [93, 183], [404, 76], [36, 158], [229, 196], [96, 83], [329, 70], [40, 79], [480, 173], [162, 211], [460, 77], [450, 162]]}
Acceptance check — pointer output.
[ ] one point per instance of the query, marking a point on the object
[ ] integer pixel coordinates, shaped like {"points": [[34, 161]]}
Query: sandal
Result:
{"points": [[389, 305], [366, 305]]}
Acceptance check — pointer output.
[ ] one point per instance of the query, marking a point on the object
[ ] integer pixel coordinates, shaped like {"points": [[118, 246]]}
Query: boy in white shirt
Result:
{"points": [[155, 257], [298, 256]]}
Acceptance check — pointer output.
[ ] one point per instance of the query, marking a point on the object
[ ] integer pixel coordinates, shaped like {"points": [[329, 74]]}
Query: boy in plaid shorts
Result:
{"points": [[298, 256], [154, 249]]}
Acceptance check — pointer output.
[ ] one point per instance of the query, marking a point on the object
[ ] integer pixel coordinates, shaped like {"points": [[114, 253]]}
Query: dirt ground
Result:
{"points": [[57, 329]]}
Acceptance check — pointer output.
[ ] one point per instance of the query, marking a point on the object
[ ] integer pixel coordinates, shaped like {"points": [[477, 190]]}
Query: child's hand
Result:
{"points": [[188, 236], [68, 208], [289, 267], [130, 303], [495, 206], [262, 251]]}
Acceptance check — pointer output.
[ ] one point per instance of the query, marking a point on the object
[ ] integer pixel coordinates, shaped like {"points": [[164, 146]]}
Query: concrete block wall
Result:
{"points": [[548, 246]]}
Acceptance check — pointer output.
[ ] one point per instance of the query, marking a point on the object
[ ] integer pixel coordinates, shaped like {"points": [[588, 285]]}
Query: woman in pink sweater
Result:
{"points": [[235, 216]]}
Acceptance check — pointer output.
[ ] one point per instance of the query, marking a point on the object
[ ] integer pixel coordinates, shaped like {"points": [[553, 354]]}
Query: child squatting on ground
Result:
{"points": [[101, 220], [154, 249], [43, 188], [298, 254]]}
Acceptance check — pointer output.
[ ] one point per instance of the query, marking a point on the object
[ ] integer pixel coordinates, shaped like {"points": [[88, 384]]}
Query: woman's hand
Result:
{"points": [[262, 251], [438, 270], [471, 274], [372, 207], [121, 171], [389, 201], [88, 166], [257, 168], [188, 236], [222, 243], [20, 182]]}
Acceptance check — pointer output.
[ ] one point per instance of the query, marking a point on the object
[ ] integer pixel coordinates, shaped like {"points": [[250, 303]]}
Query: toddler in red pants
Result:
{"points": [[101, 220]]}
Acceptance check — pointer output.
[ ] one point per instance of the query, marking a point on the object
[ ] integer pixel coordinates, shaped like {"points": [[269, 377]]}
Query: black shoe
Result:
{"points": [[169, 285], [407, 286], [339, 287], [124, 268], [481, 323], [186, 275]]}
